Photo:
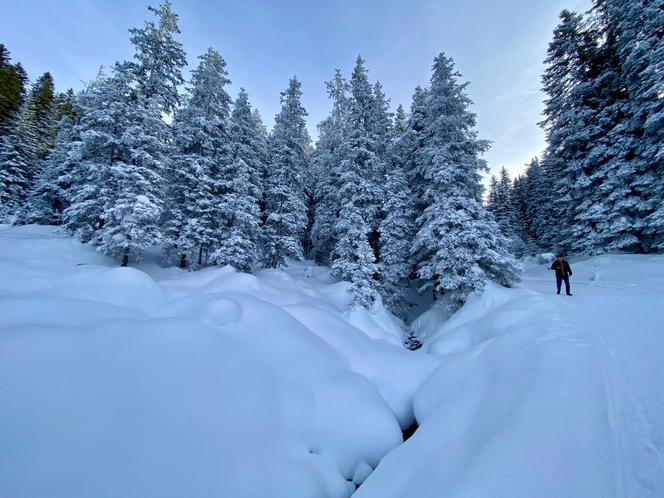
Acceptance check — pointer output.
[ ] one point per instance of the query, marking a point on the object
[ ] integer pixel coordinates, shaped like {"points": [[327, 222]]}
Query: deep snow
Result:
{"points": [[150, 381], [122, 382], [543, 395]]}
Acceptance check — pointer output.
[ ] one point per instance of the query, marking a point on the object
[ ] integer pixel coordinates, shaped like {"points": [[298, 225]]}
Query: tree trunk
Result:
{"points": [[125, 257], [200, 255], [183, 260]]}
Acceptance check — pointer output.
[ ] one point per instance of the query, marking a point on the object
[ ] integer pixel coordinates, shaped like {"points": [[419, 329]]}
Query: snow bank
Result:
{"points": [[540, 395], [115, 382]]}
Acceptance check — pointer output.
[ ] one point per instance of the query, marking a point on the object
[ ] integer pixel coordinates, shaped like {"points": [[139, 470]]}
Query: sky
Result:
{"points": [[498, 46]]}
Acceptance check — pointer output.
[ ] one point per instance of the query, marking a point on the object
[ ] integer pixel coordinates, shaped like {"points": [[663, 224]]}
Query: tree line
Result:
{"points": [[599, 185], [388, 201]]}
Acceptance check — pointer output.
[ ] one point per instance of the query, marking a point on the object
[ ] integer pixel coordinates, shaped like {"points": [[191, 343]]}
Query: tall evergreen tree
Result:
{"points": [[633, 186], [13, 80], [458, 245], [101, 115], [159, 58], [354, 256], [125, 145], [132, 222], [34, 130], [13, 172], [326, 167], [242, 189], [286, 206], [503, 207], [397, 229], [48, 197], [201, 151]]}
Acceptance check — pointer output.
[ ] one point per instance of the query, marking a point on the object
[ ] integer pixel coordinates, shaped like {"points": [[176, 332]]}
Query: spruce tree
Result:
{"points": [[48, 198], [132, 220], [458, 245], [117, 203], [13, 80], [13, 177], [159, 58], [200, 147], [325, 165], [101, 115], [286, 208], [397, 229], [502, 205], [242, 189], [354, 256], [635, 194]]}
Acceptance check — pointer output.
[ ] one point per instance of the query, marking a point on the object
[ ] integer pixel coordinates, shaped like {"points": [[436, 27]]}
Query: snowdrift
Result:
{"points": [[132, 383], [541, 395]]}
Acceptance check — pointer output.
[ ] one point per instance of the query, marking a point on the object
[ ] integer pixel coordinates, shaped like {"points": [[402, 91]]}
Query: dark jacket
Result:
{"points": [[562, 268]]}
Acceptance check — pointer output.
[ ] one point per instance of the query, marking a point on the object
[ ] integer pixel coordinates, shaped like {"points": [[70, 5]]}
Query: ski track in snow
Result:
{"points": [[639, 461]]}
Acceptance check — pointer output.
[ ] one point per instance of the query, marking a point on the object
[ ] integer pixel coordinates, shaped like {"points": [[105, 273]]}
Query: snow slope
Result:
{"points": [[541, 395], [157, 382]]}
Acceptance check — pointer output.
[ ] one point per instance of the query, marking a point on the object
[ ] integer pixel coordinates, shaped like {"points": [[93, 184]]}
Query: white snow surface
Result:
{"points": [[543, 395], [158, 382]]}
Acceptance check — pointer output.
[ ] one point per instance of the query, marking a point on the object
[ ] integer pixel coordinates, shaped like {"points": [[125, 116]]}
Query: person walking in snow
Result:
{"points": [[563, 272]]}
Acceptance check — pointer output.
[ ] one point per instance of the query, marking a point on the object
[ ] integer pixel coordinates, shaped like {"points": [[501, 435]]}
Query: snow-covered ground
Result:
{"points": [[156, 382], [543, 395], [122, 383]]}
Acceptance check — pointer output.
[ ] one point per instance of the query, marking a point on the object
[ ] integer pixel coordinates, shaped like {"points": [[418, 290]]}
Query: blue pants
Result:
{"points": [[559, 281]]}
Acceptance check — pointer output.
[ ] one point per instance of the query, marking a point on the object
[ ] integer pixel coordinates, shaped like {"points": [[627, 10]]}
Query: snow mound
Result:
{"points": [[122, 382]]}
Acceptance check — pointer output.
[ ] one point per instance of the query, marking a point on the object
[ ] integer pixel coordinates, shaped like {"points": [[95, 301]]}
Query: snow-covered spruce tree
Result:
{"points": [[263, 153], [412, 144], [458, 245], [397, 229], [35, 123], [354, 257], [101, 112], [48, 198], [132, 220], [519, 207], [191, 221], [400, 125], [159, 58], [611, 208], [150, 83], [547, 225], [13, 176], [119, 202], [286, 208], [501, 204], [239, 200], [633, 30], [325, 166], [566, 118], [535, 198], [402, 206], [382, 130], [583, 112]]}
